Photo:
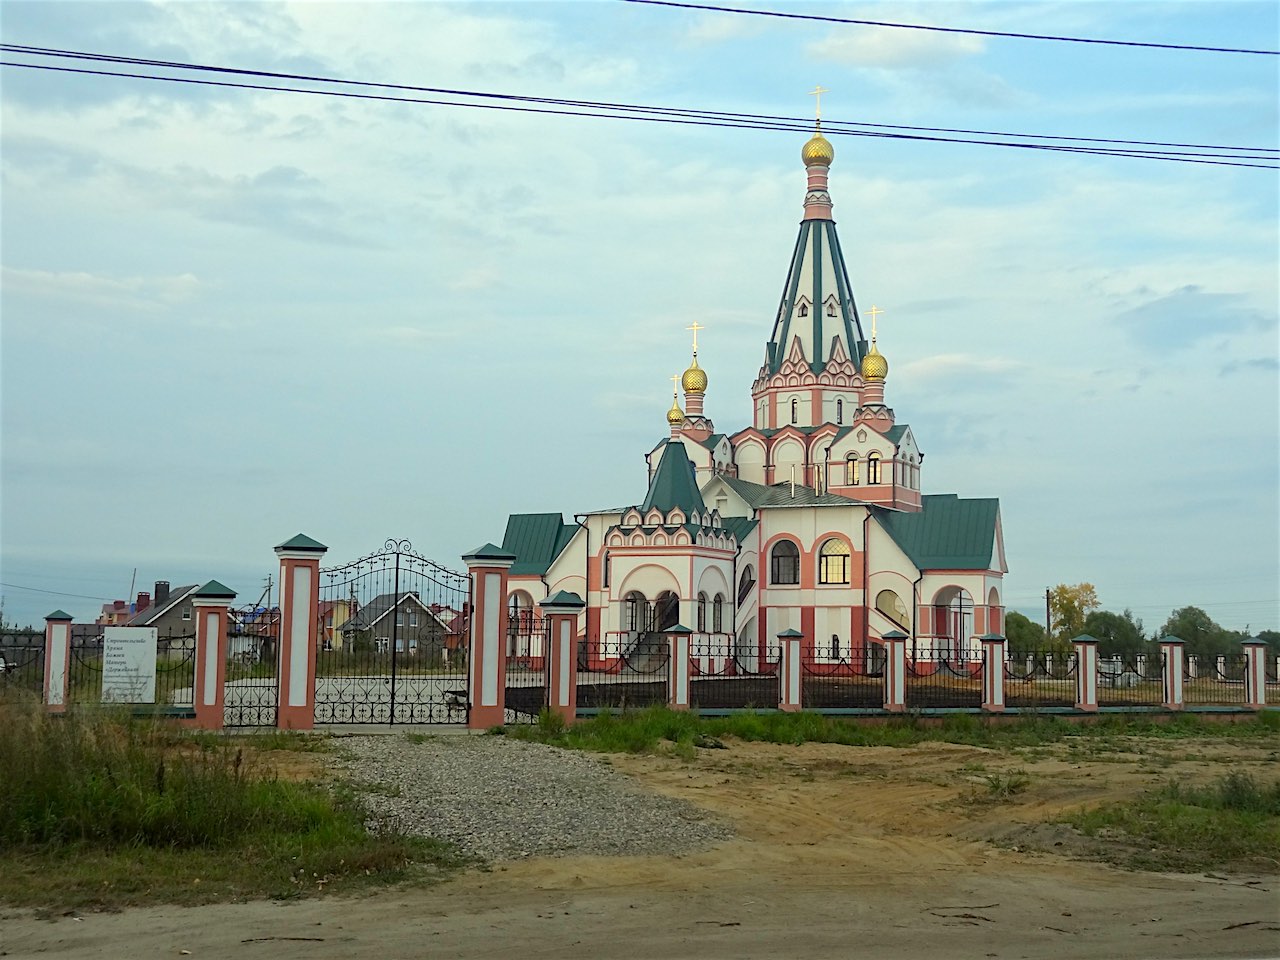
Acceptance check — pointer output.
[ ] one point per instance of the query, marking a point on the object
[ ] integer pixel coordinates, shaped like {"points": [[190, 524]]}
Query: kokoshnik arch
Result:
{"points": [[810, 519]]}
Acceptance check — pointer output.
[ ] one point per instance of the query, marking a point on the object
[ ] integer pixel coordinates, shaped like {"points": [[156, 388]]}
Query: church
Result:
{"points": [[812, 518]]}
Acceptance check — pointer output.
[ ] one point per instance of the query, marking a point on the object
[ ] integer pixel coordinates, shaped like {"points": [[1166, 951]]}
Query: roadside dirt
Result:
{"points": [[934, 850]]}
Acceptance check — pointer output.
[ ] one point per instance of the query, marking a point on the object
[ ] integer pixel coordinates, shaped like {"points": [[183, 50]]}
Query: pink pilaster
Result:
{"points": [[57, 660], [993, 660], [895, 671], [299, 631], [1171, 653], [486, 657], [562, 610], [211, 606], [1255, 673], [791, 693], [1086, 673], [678, 667]]}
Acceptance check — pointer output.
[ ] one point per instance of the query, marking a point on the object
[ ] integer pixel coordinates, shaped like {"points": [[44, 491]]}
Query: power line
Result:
{"points": [[660, 115], [55, 593], [800, 122], [971, 32]]}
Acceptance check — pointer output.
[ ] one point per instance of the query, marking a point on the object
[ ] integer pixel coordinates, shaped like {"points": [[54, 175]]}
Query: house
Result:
{"points": [[412, 624]]}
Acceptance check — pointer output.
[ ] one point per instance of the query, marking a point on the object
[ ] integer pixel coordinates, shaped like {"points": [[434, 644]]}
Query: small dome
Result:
{"points": [[874, 365], [675, 415], [695, 378], [818, 151]]}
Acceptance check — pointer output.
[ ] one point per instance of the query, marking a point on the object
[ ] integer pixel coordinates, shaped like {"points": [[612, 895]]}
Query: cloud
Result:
{"points": [[891, 49], [132, 292], [1188, 315], [1266, 364], [947, 365], [719, 27]]}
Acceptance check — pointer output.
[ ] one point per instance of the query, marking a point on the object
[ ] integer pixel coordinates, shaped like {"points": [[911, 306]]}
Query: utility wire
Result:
{"points": [[55, 593], [934, 29], [665, 117], [832, 126]]}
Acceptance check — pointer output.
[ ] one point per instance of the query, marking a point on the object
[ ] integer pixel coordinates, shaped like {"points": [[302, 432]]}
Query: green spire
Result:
{"points": [[674, 483]]}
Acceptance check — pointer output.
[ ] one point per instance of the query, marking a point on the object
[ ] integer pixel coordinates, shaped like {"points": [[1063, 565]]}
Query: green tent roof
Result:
{"points": [[947, 534], [536, 539], [674, 483]]}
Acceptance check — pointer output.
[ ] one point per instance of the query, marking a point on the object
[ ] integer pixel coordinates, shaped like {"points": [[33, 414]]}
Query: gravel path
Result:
{"points": [[501, 799]]}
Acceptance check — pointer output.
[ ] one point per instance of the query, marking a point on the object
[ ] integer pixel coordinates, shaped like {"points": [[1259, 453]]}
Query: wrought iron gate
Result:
{"points": [[393, 640]]}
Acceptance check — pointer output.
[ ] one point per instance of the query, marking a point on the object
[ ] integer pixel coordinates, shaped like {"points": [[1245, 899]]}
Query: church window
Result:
{"points": [[784, 564], [637, 611], [833, 562], [745, 584], [702, 613], [851, 470], [717, 613], [839, 411], [606, 566], [835, 646], [795, 410], [804, 310], [891, 605], [831, 309], [873, 468]]}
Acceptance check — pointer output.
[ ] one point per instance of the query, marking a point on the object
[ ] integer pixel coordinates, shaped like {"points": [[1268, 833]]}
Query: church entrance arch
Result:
{"points": [[953, 624]]}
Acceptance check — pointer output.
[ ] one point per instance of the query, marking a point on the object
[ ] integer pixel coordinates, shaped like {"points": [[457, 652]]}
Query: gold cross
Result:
{"points": [[695, 328], [875, 312], [674, 388], [817, 93]]}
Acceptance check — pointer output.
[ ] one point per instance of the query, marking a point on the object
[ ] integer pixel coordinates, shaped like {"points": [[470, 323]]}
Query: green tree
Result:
{"points": [[1069, 605], [1272, 639], [1203, 637], [1118, 634], [1023, 634]]}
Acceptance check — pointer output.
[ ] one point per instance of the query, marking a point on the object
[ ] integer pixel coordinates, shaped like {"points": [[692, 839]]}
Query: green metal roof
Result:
{"points": [[947, 534], [896, 432], [712, 441], [563, 598], [215, 591], [487, 551], [536, 539], [301, 542], [59, 615], [740, 527], [760, 496], [674, 483]]}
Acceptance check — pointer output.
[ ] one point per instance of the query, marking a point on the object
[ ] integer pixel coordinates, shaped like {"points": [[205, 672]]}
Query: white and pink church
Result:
{"points": [[812, 518]]}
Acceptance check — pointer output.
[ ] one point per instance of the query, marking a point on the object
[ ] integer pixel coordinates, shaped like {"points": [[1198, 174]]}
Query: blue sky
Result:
{"points": [[231, 316]]}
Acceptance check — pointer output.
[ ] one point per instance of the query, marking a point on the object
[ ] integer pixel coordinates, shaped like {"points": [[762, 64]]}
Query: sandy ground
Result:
{"points": [[842, 852]]}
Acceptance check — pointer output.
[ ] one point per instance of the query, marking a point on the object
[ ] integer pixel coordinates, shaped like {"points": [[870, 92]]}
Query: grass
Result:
{"points": [[1232, 822], [101, 810], [660, 730]]}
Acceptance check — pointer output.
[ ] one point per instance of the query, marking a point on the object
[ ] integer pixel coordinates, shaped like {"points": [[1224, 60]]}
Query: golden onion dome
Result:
{"points": [[874, 365], [695, 378], [675, 414], [818, 151]]}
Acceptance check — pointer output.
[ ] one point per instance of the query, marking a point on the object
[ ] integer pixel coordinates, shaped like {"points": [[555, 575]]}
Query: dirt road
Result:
{"points": [[842, 852]]}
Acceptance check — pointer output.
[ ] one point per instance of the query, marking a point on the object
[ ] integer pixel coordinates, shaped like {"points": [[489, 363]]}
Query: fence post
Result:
{"points": [[211, 604], [1086, 673], [299, 632], [1171, 652], [895, 671], [1255, 673], [486, 657], [993, 657], [57, 660], [678, 668], [561, 610], [790, 685]]}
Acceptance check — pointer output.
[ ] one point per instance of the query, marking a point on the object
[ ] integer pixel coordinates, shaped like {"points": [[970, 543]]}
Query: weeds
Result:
{"points": [[1005, 786]]}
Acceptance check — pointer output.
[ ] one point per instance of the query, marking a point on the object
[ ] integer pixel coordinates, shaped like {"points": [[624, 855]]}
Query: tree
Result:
{"points": [[1118, 634], [1203, 637], [1068, 606], [1024, 635]]}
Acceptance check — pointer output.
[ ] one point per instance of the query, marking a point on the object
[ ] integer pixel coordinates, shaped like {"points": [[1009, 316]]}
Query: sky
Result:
{"points": [[230, 316]]}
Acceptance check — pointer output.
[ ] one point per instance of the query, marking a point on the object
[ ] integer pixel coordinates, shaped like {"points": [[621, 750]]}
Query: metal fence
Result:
{"points": [[1040, 678], [723, 677], [943, 674], [526, 666], [22, 662], [839, 683], [251, 692], [1133, 680], [637, 679], [1214, 680], [175, 669]]}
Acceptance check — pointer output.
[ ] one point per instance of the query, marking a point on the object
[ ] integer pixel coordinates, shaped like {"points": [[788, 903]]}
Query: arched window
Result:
{"points": [[851, 470], [833, 562], [637, 611], [717, 613], [784, 563], [702, 613], [873, 468], [605, 564], [839, 411], [795, 410], [835, 646], [745, 583], [804, 310], [891, 605]]}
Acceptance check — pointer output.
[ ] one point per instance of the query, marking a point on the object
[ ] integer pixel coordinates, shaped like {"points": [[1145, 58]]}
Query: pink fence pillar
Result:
{"points": [[299, 631], [57, 660], [1255, 673], [678, 667], [895, 671], [1171, 653], [993, 659], [561, 610], [789, 668], [1086, 673], [211, 607], [486, 654]]}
